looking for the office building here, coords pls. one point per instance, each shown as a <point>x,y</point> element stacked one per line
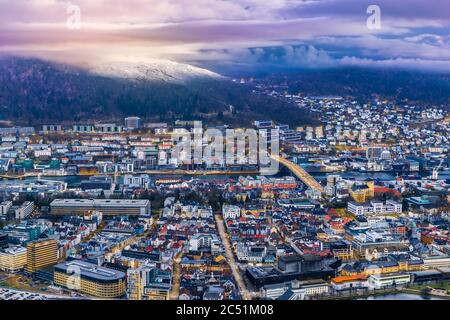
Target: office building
<point>374,207</point>
<point>148,283</point>
<point>108,128</point>
<point>132,123</point>
<point>13,259</point>
<point>52,129</point>
<point>374,153</point>
<point>381,281</point>
<point>80,128</point>
<point>96,183</point>
<point>293,267</point>
<point>134,284</point>
<point>106,206</point>
<point>90,279</point>
<point>22,232</point>
<point>41,254</point>
<point>24,210</point>
<point>231,212</point>
<point>141,181</point>
<point>3,240</point>
<point>4,207</point>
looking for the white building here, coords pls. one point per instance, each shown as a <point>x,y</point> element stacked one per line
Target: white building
<point>43,153</point>
<point>273,291</point>
<point>380,281</point>
<point>204,241</point>
<point>251,254</point>
<point>231,212</point>
<point>142,180</point>
<point>24,210</point>
<point>311,287</point>
<point>4,207</point>
<point>374,207</point>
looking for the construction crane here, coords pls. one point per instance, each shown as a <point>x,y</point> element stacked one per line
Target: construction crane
<point>435,173</point>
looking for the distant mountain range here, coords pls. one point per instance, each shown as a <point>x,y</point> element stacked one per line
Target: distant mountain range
<point>36,92</point>
<point>402,86</point>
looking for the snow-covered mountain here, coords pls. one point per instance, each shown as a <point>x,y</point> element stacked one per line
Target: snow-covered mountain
<point>38,92</point>
<point>153,70</point>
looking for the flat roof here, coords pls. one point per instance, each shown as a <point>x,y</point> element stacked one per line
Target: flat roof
<point>390,275</point>
<point>13,250</point>
<point>99,202</point>
<point>344,279</point>
<point>89,270</point>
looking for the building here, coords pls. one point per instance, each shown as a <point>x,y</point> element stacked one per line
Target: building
<point>13,259</point>
<point>24,210</point>
<point>374,207</point>
<point>204,242</point>
<point>80,128</point>
<point>348,283</point>
<point>134,284</point>
<point>251,254</point>
<point>380,281</point>
<point>97,183</point>
<point>141,181</point>
<point>374,153</point>
<point>362,192</point>
<point>231,212</point>
<point>4,207</point>
<point>369,241</point>
<point>108,128</point>
<point>293,267</point>
<point>312,287</point>
<point>3,240</point>
<point>90,279</point>
<point>52,129</point>
<point>106,206</point>
<point>263,124</point>
<point>342,249</point>
<point>157,284</point>
<point>41,254</point>
<point>299,204</point>
<point>273,291</point>
<point>148,283</point>
<point>22,232</point>
<point>132,123</point>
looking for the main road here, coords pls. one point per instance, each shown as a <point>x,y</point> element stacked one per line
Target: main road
<point>231,260</point>
<point>176,278</point>
<point>298,171</point>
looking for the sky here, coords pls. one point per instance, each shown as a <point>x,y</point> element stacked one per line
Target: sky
<point>233,34</point>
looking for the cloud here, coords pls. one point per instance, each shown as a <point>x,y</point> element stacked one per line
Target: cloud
<point>316,33</point>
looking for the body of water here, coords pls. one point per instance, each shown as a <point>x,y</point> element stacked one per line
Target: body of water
<point>401,296</point>
<point>74,181</point>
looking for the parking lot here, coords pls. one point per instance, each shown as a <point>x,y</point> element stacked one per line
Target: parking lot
<point>11,294</point>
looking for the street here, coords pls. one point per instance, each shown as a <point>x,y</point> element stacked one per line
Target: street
<point>231,260</point>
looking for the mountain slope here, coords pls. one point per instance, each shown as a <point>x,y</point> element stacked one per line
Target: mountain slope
<point>153,70</point>
<point>35,92</point>
<point>400,85</point>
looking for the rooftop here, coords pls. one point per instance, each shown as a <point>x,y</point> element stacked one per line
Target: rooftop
<point>90,270</point>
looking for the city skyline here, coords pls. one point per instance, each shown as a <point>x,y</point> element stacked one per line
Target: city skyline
<point>245,152</point>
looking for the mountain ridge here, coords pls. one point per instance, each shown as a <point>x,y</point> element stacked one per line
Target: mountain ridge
<point>153,70</point>
<point>34,91</point>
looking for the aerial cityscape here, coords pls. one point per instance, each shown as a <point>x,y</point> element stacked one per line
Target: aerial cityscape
<point>177,154</point>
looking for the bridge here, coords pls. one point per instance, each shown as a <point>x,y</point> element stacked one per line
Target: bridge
<point>300,173</point>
